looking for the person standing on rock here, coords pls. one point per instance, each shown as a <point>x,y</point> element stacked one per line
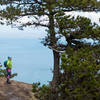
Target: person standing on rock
<point>8,69</point>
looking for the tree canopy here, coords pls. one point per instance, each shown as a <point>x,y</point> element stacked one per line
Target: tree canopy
<point>58,24</point>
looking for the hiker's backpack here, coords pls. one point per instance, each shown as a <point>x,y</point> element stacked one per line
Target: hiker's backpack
<point>5,63</point>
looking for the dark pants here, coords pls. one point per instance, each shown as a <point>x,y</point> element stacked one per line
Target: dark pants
<point>8,74</point>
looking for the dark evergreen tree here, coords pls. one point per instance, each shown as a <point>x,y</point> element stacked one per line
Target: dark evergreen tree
<point>80,76</point>
<point>58,24</point>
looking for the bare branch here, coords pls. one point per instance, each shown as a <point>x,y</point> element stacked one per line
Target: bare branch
<point>59,51</point>
<point>36,24</point>
<point>32,13</point>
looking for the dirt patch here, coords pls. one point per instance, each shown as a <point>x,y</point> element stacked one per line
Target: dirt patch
<point>15,90</point>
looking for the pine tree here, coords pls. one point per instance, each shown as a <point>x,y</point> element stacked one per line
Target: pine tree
<point>57,23</point>
<point>80,77</point>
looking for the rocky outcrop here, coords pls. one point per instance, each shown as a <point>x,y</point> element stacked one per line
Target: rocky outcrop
<point>15,90</point>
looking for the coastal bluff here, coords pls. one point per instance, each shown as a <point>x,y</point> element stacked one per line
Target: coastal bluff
<point>15,91</point>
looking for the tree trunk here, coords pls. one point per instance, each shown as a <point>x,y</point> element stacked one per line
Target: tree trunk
<point>53,42</point>
<point>55,80</point>
<point>56,57</point>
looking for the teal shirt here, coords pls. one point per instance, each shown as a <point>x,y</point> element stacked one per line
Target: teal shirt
<point>9,64</point>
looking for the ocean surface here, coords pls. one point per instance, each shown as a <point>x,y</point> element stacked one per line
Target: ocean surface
<point>31,60</point>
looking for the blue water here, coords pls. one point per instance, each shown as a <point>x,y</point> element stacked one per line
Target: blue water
<point>31,60</point>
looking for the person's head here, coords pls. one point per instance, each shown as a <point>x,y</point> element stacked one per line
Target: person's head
<point>9,58</point>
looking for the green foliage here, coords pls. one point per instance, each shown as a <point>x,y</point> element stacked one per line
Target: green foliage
<point>81,4</point>
<point>41,92</point>
<point>79,78</point>
<point>15,8</point>
<point>79,27</point>
<point>35,86</point>
<point>10,12</point>
<point>3,72</point>
<point>13,75</point>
